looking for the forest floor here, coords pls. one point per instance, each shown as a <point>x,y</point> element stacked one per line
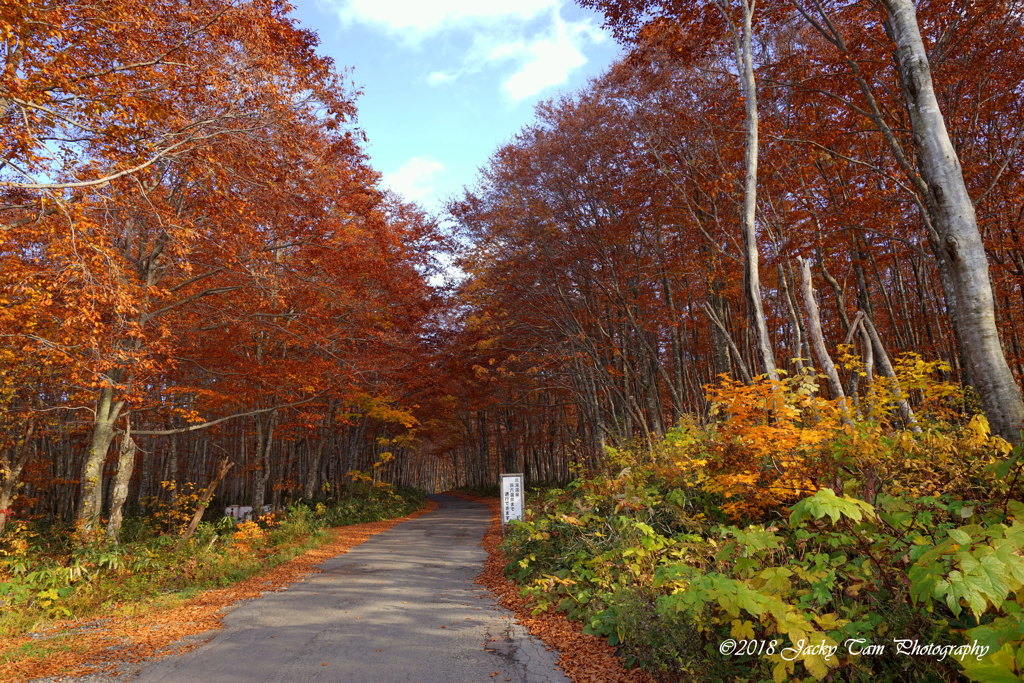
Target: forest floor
<point>401,606</point>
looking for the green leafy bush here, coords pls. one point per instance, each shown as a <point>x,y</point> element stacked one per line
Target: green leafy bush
<point>835,586</point>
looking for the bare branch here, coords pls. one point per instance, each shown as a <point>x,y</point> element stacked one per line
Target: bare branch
<point>211,423</point>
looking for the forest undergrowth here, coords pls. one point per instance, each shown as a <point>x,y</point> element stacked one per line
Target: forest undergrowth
<point>51,586</point>
<point>794,537</point>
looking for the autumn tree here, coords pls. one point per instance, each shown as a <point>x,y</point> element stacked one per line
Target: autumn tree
<point>936,178</point>
<point>196,238</point>
<point>605,265</point>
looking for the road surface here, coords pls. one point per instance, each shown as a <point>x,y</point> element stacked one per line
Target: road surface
<point>401,607</point>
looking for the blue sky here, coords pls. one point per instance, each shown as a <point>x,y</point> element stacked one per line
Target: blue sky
<point>445,82</point>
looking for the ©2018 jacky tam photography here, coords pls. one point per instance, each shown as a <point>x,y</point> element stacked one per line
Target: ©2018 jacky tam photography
<point>453,341</point>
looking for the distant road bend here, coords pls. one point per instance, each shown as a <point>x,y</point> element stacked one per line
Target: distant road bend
<point>401,607</point>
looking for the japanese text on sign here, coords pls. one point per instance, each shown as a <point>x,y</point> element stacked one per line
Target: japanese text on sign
<point>511,497</point>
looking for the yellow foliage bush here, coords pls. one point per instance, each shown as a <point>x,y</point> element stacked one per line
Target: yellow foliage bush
<point>174,514</point>
<point>942,459</point>
<point>17,539</point>
<point>765,451</point>
<point>775,442</point>
<point>248,535</point>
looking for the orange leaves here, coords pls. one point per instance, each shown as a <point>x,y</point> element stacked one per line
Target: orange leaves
<point>765,449</point>
<point>247,535</point>
<point>208,238</point>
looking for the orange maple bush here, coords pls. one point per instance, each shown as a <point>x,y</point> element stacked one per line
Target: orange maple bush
<point>766,450</point>
<point>772,443</point>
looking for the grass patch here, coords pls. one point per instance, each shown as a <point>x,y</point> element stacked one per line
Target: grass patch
<point>39,648</point>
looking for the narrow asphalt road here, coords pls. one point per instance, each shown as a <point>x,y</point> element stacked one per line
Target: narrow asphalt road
<point>401,607</point>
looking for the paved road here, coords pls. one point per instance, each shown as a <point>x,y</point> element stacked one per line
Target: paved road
<point>400,607</point>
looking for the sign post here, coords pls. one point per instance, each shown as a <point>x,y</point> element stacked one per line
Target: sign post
<point>511,498</point>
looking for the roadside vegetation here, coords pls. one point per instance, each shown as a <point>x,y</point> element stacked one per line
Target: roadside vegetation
<point>46,577</point>
<point>747,547</point>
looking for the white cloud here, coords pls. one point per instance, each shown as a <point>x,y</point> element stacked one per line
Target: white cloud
<point>527,41</point>
<point>548,60</point>
<point>414,19</point>
<point>414,179</point>
<point>538,61</point>
<point>441,77</point>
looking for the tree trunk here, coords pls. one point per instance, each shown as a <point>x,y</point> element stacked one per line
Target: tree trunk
<point>720,340</point>
<point>204,501</point>
<point>263,444</point>
<point>794,320</point>
<point>956,223</point>
<point>886,368</point>
<point>91,506</point>
<point>751,256</point>
<point>316,454</point>
<point>6,499</point>
<point>817,337</point>
<point>12,462</point>
<point>125,467</point>
<point>740,364</point>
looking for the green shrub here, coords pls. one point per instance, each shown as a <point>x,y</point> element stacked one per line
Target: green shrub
<point>650,565</point>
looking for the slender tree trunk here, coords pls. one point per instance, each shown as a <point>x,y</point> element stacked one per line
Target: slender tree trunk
<point>264,441</point>
<point>740,364</point>
<point>742,39</point>
<point>720,340</point>
<point>956,223</point>
<point>313,474</point>
<point>817,337</point>
<point>6,499</point>
<point>836,290</point>
<point>125,467</point>
<point>886,368</point>
<point>12,462</point>
<point>316,454</point>
<point>869,366</point>
<point>794,320</point>
<point>204,501</point>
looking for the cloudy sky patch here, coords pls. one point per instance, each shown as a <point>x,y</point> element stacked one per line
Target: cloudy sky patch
<point>415,179</point>
<point>445,82</point>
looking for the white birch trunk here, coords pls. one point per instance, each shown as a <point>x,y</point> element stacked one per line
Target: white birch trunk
<point>815,333</point>
<point>956,223</point>
<point>742,40</point>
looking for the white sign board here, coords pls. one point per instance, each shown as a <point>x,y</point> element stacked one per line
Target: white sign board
<point>242,512</point>
<point>511,497</point>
